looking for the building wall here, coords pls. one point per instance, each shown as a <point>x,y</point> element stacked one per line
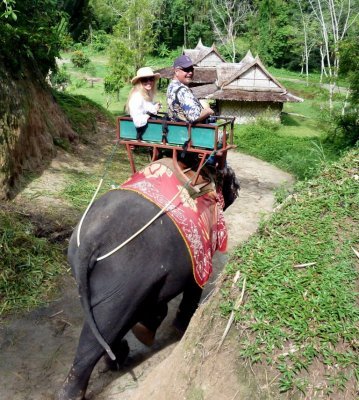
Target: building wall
<point>249,111</point>
<point>254,78</point>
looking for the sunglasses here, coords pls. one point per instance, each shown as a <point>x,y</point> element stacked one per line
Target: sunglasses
<point>148,79</point>
<point>188,69</point>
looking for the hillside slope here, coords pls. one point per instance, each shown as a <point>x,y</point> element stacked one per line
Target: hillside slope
<point>296,334</point>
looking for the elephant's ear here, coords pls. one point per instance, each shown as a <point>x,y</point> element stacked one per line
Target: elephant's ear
<point>230,186</point>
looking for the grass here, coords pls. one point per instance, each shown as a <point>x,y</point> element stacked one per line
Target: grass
<point>302,281</point>
<point>300,154</point>
<point>299,126</point>
<point>313,78</point>
<point>82,112</point>
<point>29,266</point>
<point>82,185</point>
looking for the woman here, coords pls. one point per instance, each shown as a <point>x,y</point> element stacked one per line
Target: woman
<point>140,100</point>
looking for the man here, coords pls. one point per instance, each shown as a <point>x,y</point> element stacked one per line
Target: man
<point>181,102</point>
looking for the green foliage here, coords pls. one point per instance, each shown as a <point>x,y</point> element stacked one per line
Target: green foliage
<point>100,41</point>
<point>274,30</point>
<point>271,32</point>
<point>7,8</point>
<point>301,280</point>
<point>120,65</point>
<point>79,59</point>
<point>135,31</point>
<point>29,266</point>
<point>349,66</point>
<point>33,39</point>
<point>345,130</point>
<point>182,23</point>
<point>162,50</point>
<point>105,15</point>
<point>80,17</point>
<point>60,79</point>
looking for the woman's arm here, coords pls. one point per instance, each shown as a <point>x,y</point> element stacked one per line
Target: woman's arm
<point>137,110</point>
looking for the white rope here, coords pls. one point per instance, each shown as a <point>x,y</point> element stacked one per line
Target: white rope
<point>139,231</point>
<point>84,215</point>
<point>145,226</point>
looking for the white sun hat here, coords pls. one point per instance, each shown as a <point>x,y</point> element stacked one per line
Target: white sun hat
<point>145,72</point>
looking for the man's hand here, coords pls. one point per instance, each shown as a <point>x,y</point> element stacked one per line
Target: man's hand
<point>206,112</point>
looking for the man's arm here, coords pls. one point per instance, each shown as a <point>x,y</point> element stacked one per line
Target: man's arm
<point>191,106</point>
<point>206,112</point>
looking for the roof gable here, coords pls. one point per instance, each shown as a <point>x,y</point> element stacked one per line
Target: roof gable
<point>249,74</point>
<point>204,56</point>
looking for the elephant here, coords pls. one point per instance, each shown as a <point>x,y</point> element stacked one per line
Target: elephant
<point>133,284</point>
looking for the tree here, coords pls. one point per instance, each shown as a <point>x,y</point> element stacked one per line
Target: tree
<point>335,18</point>
<point>135,29</point>
<point>349,51</point>
<point>227,17</point>
<point>106,13</point>
<point>271,32</point>
<point>81,18</point>
<point>180,23</point>
<point>33,37</point>
<point>121,58</point>
<point>310,31</point>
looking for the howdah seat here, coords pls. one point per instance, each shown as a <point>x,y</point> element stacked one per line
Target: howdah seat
<point>203,139</point>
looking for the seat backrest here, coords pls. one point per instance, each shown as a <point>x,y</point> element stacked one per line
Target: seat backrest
<point>178,134</point>
<point>204,137</point>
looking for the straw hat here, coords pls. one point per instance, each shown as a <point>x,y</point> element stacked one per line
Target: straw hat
<point>145,72</point>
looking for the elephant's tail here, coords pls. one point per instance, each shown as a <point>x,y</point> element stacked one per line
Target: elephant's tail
<point>82,277</point>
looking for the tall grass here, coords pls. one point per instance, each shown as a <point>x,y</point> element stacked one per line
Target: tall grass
<point>297,155</point>
<point>29,266</point>
<point>301,279</point>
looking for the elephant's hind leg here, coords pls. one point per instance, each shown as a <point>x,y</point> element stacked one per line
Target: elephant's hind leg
<point>89,351</point>
<point>121,350</point>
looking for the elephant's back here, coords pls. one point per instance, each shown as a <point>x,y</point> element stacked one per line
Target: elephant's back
<point>118,216</point>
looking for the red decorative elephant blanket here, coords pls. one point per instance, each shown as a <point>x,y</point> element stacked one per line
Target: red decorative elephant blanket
<point>200,221</point>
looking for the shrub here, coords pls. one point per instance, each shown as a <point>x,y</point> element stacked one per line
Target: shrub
<point>100,41</point>
<point>60,79</point>
<point>79,59</point>
<point>345,134</point>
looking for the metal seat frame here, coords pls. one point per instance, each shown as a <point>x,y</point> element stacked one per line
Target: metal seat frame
<point>219,148</point>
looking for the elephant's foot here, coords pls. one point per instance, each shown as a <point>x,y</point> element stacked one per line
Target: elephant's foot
<point>75,385</point>
<point>143,334</point>
<point>181,322</point>
<point>66,394</point>
<point>121,351</point>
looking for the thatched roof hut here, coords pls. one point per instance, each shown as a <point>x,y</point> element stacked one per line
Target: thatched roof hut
<point>246,89</point>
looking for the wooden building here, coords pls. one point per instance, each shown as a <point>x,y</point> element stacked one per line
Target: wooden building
<point>246,90</point>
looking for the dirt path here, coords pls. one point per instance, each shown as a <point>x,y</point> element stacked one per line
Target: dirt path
<point>37,349</point>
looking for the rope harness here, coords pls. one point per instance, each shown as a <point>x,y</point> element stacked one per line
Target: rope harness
<point>185,186</point>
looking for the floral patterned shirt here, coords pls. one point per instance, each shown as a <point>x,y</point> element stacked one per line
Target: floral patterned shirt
<point>181,102</point>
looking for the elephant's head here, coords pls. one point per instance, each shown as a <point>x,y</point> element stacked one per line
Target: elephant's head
<point>229,184</point>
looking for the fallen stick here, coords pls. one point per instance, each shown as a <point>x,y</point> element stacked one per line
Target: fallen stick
<point>304,265</point>
<point>54,315</point>
<point>355,252</point>
<point>231,318</point>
